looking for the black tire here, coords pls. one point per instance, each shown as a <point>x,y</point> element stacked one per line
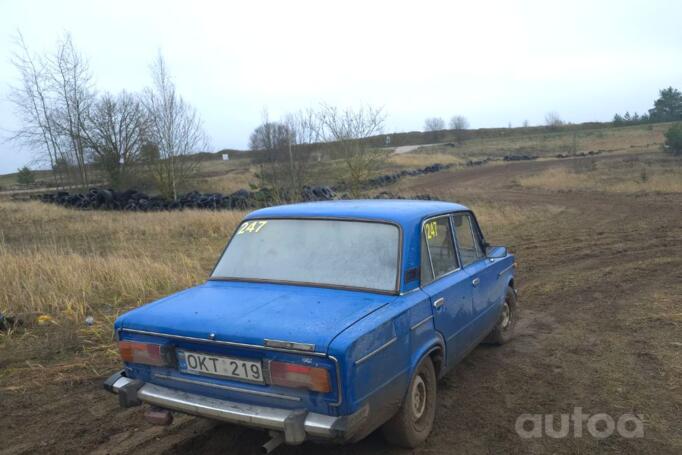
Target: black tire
<point>504,330</point>
<point>414,420</point>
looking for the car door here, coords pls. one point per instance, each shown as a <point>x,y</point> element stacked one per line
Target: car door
<point>447,284</point>
<point>483,279</point>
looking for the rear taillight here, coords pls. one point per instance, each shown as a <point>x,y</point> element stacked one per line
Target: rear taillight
<point>145,353</point>
<point>299,376</point>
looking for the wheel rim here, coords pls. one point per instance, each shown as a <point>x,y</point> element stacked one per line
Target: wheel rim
<point>506,316</point>
<point>418,397</point>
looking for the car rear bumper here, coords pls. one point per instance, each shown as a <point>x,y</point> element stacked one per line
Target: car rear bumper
<point>297,425</point>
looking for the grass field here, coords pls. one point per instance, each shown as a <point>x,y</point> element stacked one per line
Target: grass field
<point>69,265</point>
<point>598,242</point>
<point>627,175</point>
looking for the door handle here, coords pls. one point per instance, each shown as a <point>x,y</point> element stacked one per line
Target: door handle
<point>439,303</point>
<point>476,281</point>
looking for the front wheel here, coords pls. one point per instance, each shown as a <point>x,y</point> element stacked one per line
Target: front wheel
<point>504,330</point>
<point>413,422</point>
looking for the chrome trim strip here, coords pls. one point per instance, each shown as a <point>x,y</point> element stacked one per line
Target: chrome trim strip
<point>223,343</point>
<point>293,345</point>
<point>506,270</point>
<point>422,322</point>
<point>377,350</point>
<point>339,389</point>
<point>227,387</point>
<point>410,291</point>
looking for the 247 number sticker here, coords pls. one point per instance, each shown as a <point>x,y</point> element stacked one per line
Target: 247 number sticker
<point>251,226</point>
<point>431,230</point>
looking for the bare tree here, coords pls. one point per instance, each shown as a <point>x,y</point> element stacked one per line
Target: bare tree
<point>307,125</point>
<point>348,129</point>
<point>53,101</point>
<point>459,122</point>
<point>553,120</point>
<point>175,128</point>
<point>74,94</point>
<point>33,106</point>
<point>304,129</point>
<point>115,133</point>
<point>434,124</point>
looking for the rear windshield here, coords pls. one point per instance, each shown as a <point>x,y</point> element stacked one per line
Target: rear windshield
<point>356,254</point>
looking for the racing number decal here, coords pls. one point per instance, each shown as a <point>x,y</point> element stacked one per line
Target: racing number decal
<point>431,230</point>
<point>253,226</point>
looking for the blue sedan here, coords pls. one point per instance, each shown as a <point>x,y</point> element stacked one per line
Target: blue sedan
<point>323,321</point>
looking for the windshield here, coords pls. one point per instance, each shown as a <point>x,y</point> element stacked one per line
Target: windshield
<point>356,254</point>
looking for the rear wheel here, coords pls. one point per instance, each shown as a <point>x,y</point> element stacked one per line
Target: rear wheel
<point>413,422</point>
<point>504,330</point>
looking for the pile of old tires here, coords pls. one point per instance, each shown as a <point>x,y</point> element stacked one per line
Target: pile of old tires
<point>137,201</point>
<point>387,179</point>
<point>471,163</point>
<point>519,158</point>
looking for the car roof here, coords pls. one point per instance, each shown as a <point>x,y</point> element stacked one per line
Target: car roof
<point>405,212</point>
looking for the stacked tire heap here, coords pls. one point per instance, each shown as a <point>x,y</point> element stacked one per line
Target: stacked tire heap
<point>136,201</point>
<point>471,163</point>
<point>387,179</point>
<point>519,157</point>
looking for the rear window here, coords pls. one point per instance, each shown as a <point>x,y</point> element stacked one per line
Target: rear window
<point>355,254</point>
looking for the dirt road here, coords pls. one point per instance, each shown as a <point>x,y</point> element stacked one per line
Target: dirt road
<point>411,148</point>
<point>600,283</point>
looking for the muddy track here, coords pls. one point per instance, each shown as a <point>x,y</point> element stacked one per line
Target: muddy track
<point>600,283</point>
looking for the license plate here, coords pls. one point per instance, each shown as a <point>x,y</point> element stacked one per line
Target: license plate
<point>226,367</point>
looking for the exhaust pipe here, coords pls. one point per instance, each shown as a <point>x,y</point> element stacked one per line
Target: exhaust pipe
<point>275,440</point>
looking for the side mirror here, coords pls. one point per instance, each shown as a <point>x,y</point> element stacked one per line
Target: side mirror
<point>496,252</point>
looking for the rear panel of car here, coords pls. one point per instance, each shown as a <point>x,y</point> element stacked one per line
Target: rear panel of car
<point>231,389</point>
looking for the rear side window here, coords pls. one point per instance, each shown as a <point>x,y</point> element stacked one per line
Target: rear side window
<point>467,240</point>
<point>438,258</point>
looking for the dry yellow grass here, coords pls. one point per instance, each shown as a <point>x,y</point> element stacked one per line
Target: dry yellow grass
<point>225,176</point>
<point>69,264</point>
<point>501,223</point>
<point>629,139</point>
<point>617,177</point>
<point>421,159</point>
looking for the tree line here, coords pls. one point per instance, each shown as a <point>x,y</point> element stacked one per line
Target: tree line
<point>667,108</point>
<point>155,135</point>
<point>150,135</point>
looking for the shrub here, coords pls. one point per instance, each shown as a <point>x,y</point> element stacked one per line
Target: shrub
<point>25,176</point>
<point>673,139</point>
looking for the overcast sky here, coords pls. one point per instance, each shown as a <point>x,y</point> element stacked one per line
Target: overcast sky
<point>493,62</point>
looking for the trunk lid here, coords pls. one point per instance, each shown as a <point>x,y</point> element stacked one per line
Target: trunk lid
<point>249,313</point>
